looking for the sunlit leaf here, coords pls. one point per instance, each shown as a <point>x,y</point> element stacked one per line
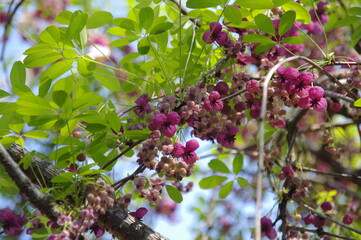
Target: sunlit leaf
<point>212,181</point>
<point>174,193</point>
<point>226,189</point>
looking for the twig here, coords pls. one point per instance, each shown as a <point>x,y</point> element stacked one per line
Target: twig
<point>234,94</point>
<point>338,96</point>
<point>122,153</point>
<point>330,219</point>
<point>301,229</point>
<point>7,24</point>
<point>339,175</point>
<point>123,181</point>
<point>185,13</point>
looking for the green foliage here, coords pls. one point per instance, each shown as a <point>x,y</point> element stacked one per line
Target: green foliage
<point>237,163</point>
<point>174,193</point>
<point>218,166</point>
<point>286,22</point>
<point>212,181</point>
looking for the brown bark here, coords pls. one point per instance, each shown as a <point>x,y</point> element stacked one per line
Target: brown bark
<point>116,221</point>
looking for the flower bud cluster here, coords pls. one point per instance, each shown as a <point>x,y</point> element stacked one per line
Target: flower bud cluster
<point>151,192</point>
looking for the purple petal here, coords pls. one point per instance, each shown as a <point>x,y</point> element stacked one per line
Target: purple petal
<point>158,119</point>
<point>304,103</point>
<point>207,37</point>
<point>192,145</point>
<point>215,27</point>
<point>321,105</point>
<point>169,131</point>
<point>174,118</point>
<point>190,158</point>
<point>222,38</point>
<point>178,150</point>
<point>316,92</point>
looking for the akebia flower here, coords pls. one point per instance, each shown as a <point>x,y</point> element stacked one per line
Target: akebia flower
<point>348,219</point>
<point>215,34</point>
<point>142,105</point>
<point>139,213</point>
<point>187,153</point>
<point>12,224</point>
<point>314,99</point>
<point>98,231</point>
<point>165,123</point>
<point>267,228</point>
<point>227,137</point>
<point>214,103</point>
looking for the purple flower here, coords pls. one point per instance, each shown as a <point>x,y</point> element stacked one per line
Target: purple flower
<point>287,171</point>
<point>286,74</point>
<point>254,104</point>
<point>309,219</point>
<point>214,103</point>
<point>267,228</point>
<point>142,105</point>
<point>215,34</point>
<point>326,206</point>
<point>186,153</point>
<point>319,222</point>
<point>348,219</point>
<point>227,137</point>
<point>139,213</point>
<point>165,123</point>
<point>11,223</point>
<point>222,88</point>
<point>98,231</point>
<point>315,100</point>
<point>301,84</point>
<point>252,86</point>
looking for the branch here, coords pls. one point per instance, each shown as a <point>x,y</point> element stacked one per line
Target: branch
<point>301,229</point>
<point>185,13</point>
<point>330,219</point>
<point>116,221</point>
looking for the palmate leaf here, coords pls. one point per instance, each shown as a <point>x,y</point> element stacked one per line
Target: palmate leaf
<point>226,189</point>
<point>212,181</point>
<point>218,166</point>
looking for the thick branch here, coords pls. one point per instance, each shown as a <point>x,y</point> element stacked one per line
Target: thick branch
<point>37,198</point>
<point>116,221</point>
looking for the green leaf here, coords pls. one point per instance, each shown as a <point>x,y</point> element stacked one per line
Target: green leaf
<point>242,182</point>
<point>60,97</point>
<point>95,127</point>
<point>17,78</point>
<point>302,14</point>
<point>355,11</point>
<point>137,134</point>
<point>257,38</point>
<point>98,19</point>
<point>278,3</point>
<point>146,17</point>
<point>212,181</point>
<point>264,47</point>
<point>26,159</point>
<point>86,100</point>
<point>50,35</point>
<point>237,163</point>
<point>355,37</point>
<point>53,72</point>
<point>233,14</point>
<point>226,189</point>
<point>126,23</point>
<point>218,166</point>
<point>255,4</point>
<point>76,26</point>
<point>202,3</point>
<point>63,177</point>
<point>265,24</point>
<point>86,67</point>
<point>33,106</point>
<point>286,22</point>
<point>107,78</point>
<point>357,103</point>
<point>292,40</point>
<point>123,41</point>
<point>174,193</point>
<point>346,21</point>
<point>143,46</point>
<point>41,59</point>
<point>64,17</point>
<point>4,94</point>
<point>36,134</point>
<point>161,27</point>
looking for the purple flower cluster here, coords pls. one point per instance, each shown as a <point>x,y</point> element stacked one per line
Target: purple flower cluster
<point>215,34</point>
<point>12,224</point>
